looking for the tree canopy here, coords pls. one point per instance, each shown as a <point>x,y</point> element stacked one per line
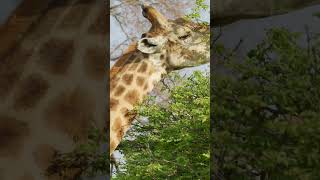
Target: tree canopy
<point>266,110</point>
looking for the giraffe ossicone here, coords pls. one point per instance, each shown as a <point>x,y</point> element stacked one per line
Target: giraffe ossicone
<point>168,45</point>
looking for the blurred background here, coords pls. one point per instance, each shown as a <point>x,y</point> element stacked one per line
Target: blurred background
<point>6,8</point>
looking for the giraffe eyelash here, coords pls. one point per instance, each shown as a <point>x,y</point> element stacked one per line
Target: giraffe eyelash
<point>184,36</point>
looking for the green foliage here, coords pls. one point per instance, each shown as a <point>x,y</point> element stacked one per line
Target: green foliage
<point>195,14</point>
<point>89,159</point>
<point>174,143</point>
<point>266,114</point>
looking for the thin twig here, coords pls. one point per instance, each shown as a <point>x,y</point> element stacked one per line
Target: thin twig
<point>218,36</point>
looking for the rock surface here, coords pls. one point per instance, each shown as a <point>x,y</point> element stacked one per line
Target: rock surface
<point>228,11</point>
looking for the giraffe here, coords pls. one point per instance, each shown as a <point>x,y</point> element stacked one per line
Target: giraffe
<point>52,82</point>
<point>168,45</point>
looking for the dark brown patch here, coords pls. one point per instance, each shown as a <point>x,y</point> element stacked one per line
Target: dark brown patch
<point>124,111</point>
<point>132,58</point>
<point>120,132</point>
<point>129,115</point>
<point>30,92</point>
<point>13,133</point>
<point>162,56</point>
<point>113,104</point>
<point>120,89</point>
<point>145,55</point>
<point>127,78</point>
<point>113,83</point>
<point>71,113</point>
<point>95,63</point>
<point>56,55</point>
<point>43,154</point>
<point>117,124</point>
<point>143,67</point>
<point>146,86</point>
<point>132,97</point>
<point>11,69</point>
<point>133,66</point>
<point>140,81</point>
<point>100,25</point>
<point>112,86</point>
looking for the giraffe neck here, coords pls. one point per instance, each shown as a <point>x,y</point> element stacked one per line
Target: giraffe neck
<point>136,74</point>
<point>45,107</point>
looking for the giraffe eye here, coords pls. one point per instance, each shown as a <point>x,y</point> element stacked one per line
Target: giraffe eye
<point>144,35</point>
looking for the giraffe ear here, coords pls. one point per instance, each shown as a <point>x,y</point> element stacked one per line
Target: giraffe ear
<point>151,45</point>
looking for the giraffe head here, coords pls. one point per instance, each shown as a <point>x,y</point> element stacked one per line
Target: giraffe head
<point>178,43</point>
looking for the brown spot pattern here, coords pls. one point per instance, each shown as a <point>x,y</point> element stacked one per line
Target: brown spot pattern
<point>95,63</point>
<point>56,55</point>
<point>11,69</point>
<point>100,25</point>
<point>140,81</point>
<point>145,55</point>
<point>30,92</point>
<point>143,67</point>
<point>71,113</point>
<point>120,133</point>
<point>146,86</point>
<point>13,133</point>
<point>117,124</point>
<point>132,97</point>
<point>119,91</point>
<point>127,78</point>
<point>129,115</point>
<point>113,84</point>
<point>133,66</point>
<point>113,104</point>
<point>124,111</point>
<point>123,60</point>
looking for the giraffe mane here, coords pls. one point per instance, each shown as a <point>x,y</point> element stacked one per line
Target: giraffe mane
<point>122,60</point>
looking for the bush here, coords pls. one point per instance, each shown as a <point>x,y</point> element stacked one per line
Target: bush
<point>174,143</point>
<point>266,114</point>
